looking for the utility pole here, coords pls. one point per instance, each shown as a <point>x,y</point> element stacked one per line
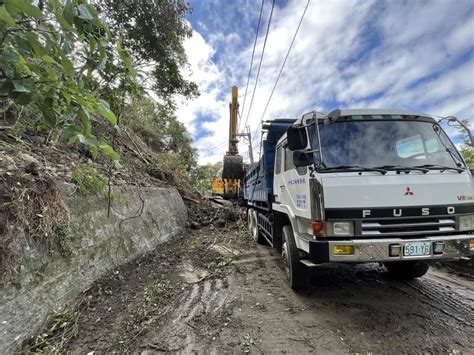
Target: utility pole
<point>248,139</point>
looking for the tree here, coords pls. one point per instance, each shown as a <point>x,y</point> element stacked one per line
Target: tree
<point>203,176</point>
<point>159,128</point>
<point>52,60</point>
<point>468,154</point>
<point>467,149</point>
<point>153,31</point>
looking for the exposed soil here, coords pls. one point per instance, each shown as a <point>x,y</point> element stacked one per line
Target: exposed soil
<point>213,290</point>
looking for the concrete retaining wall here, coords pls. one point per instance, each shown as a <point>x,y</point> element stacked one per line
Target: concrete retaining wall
<point>140,219</point>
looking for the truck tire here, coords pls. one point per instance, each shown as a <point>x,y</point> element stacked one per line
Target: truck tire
<point>256,235</point>
<point>250,220</point>
<point>295,272</point>
<point>407,270</point>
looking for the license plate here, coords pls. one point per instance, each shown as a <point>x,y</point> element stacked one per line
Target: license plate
<point>417,249</point>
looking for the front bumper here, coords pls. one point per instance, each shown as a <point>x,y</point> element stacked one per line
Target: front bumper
<point>377,250</point>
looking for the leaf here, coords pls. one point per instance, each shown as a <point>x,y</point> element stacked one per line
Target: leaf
<point>104,110</point>
<point>90,141</point>
<point>32,39</point>
<point>63,22</point>
<point>126,59</point>
<point>87,139</point>
<point>25,7</point>
<point>69,12</point>
<point>85,118</point>
<point>50,117</point>
<point>6,18</point>
<point>84,13</point>
<point>108,150</point>
<point>67,65</point>
<point>24,86</point>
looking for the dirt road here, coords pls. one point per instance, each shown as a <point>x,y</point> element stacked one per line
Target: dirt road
<point>214,291</point>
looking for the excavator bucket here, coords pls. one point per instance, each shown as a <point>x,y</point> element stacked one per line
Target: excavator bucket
<point>233,167</point>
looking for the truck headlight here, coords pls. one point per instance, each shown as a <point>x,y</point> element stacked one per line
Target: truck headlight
<point>342,229</point>
<point>466,223</point>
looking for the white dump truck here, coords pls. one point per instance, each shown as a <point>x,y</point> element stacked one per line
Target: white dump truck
<point>359,186</point>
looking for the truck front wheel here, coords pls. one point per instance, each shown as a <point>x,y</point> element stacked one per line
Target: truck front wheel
<point>295,272</point>
<point>407,270</point>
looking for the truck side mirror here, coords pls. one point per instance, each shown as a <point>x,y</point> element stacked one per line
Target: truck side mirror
<point>301,158</point>
<point>297,138</point>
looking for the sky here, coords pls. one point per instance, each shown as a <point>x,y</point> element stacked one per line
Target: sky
<point>405,54</point>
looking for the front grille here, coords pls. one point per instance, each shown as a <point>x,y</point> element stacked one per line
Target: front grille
<point>408,227</point>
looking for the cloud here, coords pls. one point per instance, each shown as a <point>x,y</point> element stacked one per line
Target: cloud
<point>349,54</point>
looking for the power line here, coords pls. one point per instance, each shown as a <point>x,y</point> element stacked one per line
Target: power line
<point>260,64</point>
<point>282,67</point>
<point>284,62</point>
<point>251,60</point>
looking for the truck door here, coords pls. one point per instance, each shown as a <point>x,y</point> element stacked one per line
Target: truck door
<point>278,178</point>
<point>295,185</point>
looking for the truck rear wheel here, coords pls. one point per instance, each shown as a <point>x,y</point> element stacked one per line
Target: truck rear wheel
<point>295,272</point>
<point>407,270</point>
<point>249,220</point>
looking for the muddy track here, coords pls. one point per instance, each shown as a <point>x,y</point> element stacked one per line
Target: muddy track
<point>214,291</point>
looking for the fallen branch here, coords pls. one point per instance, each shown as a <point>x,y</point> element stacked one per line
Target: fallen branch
<point>191,199</point>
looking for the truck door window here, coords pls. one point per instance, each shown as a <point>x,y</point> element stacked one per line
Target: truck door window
<point>278,161</point>
<point>288,159</point>
<point>289,163</point>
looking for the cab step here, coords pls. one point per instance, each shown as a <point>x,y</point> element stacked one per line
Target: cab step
<point>308,263</point>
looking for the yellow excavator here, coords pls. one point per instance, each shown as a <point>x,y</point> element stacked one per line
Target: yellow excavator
<point>228,185</point>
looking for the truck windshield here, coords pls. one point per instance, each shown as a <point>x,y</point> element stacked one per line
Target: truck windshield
<point>390,143</point>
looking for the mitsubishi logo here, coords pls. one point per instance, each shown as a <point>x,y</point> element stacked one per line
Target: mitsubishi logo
<point>408,192</point>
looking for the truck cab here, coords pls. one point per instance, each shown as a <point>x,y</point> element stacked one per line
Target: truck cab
<point>357,186</point>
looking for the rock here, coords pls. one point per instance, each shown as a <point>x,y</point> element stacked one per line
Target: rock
<point>220,223</point>
<point>32,168</point>
<point>28,158</point>
<point>194,225</point>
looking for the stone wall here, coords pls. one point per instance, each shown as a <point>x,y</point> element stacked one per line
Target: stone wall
<point>140,219</point>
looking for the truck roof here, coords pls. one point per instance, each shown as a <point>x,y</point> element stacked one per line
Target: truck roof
<point>362,112</point>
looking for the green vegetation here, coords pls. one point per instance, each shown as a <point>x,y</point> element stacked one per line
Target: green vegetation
<point>89,180</point>
<point>467,150</point>
<point>153,33</point>
<point>66,67</point>
<point>52,60</point>
<point>61,328</point>
<point>203,175</point>
<point>468,154</point>
<point>229,214</point>
<point>159,129</point>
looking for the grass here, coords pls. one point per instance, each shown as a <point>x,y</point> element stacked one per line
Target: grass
<point>89,180</point>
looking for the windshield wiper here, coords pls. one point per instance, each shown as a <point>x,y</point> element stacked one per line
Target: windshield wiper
<point>354,168</point>
<point>439,167</point>
<point>406,169</point>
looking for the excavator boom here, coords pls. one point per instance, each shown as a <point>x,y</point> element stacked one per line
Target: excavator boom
<point>233,162</point>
